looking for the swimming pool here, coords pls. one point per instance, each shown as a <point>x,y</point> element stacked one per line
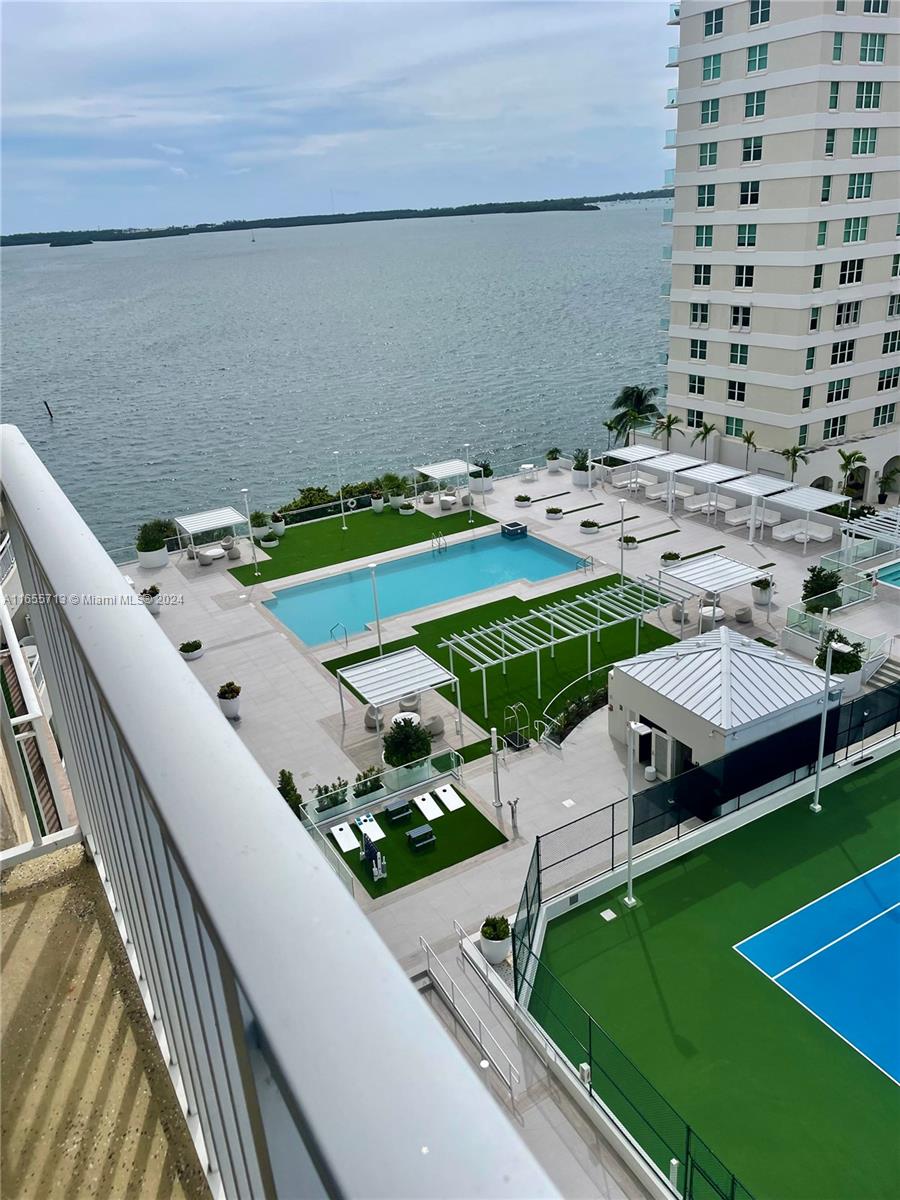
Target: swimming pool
<point>312,610</point>
<point>890,574</point>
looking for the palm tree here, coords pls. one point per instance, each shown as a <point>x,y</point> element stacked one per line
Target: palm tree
<point>666,425</point>
<point>612,430</point>
<point>634,407</point>
<point>850,460</point>
<point>794,456</point>
<point>748,437</point>
<point>703,434</point>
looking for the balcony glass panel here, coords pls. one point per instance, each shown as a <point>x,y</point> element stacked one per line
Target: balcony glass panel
<point>671,97</point>
<point>669,176</point>
<point>672,59</point>
<point>667,253</point>
<point>670,137</point>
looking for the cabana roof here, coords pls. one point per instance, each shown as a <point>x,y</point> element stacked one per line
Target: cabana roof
<point>757,485</point>
<point>883,525</point>
<point>711,473</point>
<point>811,499</point>
<point>632,454</point>
<point>713,573</point>
<point>444,470</point>
<point>213,518</point>
<point>675,462</point>
<point>393,676</point>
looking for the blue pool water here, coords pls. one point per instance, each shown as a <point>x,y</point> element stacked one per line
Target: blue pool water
<point>891,574</point>
<point>840,958</point>
<point>312,610</point>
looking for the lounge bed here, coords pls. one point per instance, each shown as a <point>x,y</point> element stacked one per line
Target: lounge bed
<point>787,531</point>
<point>815,533</point>
<point>698,502</point>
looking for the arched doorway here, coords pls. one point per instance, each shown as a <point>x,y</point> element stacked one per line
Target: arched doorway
<point>890,474</point>
<point>825,482</point>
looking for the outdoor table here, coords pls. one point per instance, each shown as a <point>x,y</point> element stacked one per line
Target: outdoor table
<point>527,473</point>
<point>211,551</point>
<point>406,716</point>
<point>345,837</point>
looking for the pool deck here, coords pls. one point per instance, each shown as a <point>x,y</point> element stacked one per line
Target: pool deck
<point>290,717</point>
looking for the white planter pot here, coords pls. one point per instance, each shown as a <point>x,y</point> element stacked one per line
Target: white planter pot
<point>590,530</point>
<point>523,504</point>
<point>268,543</point>
<point>259,531</point>
<point>479,485</point>
<point>852,683</point>
<point>554,466</point>
<point>152,560</point>
<point>191,655</point>
<point>760,596</point>
<point>278,528</point>
<point>153,605</point>
<point>554,516</point>
<point>495,952</point>
<point>629,545</point>
<point>231,708</point>
<point>579,478</point>
<point>396,501</point>
<point>378,505</point>
<point>406,512</point>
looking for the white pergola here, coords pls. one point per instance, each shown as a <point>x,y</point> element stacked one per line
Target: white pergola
<point>713,574</point>
<point>671,465</point>
<point>883,525</point>
<point>755,488</point>
<point>545,628</point>
<point>391,677</point>
<point>710,475</point>
<point>204,522</point>
<point>809,500</point>
<point>629,454</point>
<point>451,469</point>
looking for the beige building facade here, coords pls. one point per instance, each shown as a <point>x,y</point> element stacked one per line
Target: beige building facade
<point>785,294</point>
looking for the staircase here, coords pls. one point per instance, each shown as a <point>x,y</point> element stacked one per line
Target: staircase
<point>47,813</point>
<point>887,673</point>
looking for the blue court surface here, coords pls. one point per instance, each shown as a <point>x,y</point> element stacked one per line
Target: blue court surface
<point>840,958</point>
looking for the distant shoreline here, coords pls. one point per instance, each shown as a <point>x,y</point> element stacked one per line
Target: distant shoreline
<point>86,237</point>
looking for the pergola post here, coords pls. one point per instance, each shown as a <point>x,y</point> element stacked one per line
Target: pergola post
<point>538,657</point>
<point>341,696</point>
<point>637,635</point>
<point>459,724</point>
<point>589,653</point>
<point>484,689</point>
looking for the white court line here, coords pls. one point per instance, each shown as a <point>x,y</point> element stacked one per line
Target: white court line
<point>812,1012</point>
<point>834,941</point>
<point>809,904</point>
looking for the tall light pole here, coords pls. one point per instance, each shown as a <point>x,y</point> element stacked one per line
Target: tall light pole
<point>841,648</point>
<point>634,727</point>
<point>337,459</point>
<point>469,484</point>
<point>245,492</point>
<point>375,602</point>
<point>622,541</point>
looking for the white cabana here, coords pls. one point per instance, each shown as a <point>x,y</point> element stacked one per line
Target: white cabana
<point>394,676</point>
<point>451,469</point>
<point>713,574</point>
<point>882,525</point>
<point>710,475</point>
<point>205,522</point>
<point>670,465</point>
<point>809,500</point>
<point>756,488</point>
<point>630,454</point>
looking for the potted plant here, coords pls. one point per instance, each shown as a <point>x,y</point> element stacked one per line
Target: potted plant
<point>589,526</point>
<point>553,457</point>
<point>669,556</point>
<point>151,598</point>
<point>268,540</point>
<point>259,523</point>
<point>886,481</point>
<point>523,501</point>
<point>406,742</point>
<point>760,589</point>
<point>848,662</point>
<point>554,514</point>
<point>289,791</point>
<point>406,509</point>
<point>278,523</point>
<point>330,795</point>
<point>191,650</point>
<point>152,552</point>
<point>229,699</point>
<point>367,782</point>
<point>377,502</point>
<point>629,541</point>
<point>580,469</point>
<point>495,941</point>
<point>481,477</point>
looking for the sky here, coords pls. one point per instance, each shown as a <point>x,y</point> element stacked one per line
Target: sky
<point>136,114</point>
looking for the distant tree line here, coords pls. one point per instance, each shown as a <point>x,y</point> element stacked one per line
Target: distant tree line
<point>83,237</point>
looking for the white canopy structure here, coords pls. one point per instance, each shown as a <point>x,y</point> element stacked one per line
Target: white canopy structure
<point>630,454</point>
<point>755,488</point>
<point>393,676</point>
<point>712,574</point>
<point>883,525</point>
<point>450,469</point>
<point>670,465</point>
<point>205,522</point>
<point>809,500</point>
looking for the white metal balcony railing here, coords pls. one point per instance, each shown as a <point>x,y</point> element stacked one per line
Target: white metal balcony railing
<point>304,1060</point>
<point>671,135</point>
<point>671,97</point>
<point>7,558</point>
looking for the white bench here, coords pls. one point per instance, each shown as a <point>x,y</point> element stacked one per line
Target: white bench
<point>815,533</point>
<point>697,503</point>
<point>788,531</point>
<point>740,516</point>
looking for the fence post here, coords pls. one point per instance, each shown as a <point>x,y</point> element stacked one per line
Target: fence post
<point>537,851</point>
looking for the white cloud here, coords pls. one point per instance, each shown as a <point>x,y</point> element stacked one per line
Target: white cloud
<point>179,171</point>
<point>163,149</point>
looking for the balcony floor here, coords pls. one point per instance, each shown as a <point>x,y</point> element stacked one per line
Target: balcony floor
<point>87,1108</point>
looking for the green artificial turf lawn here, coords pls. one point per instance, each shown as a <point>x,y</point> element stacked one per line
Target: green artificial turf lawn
<point>789,1107</point>
<point>322,543</point>
<point>520,681</point>
<point>460,835</point>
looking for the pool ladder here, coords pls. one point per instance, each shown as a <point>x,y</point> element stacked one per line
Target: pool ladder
<point>345,639</point>
<point>586,564</point>
<point>438,542</point>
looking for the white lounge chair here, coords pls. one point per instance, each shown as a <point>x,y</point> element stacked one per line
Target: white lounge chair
<point>725,504</point>
<point>787,531</point>
<point>696,503</point>
<point>740,516</point>
<point>657,491</point>
<point>814,533</point>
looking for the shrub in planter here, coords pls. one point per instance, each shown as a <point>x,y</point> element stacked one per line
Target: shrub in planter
<point>268,540</point>
<point>843,662</point>
<point>553,456</point>
<point>367,781</point>
<point>150,597</point>
<point>259,523</point>
<point>589,527</point>
<point>406,742</point>
<point>330,795</point>
<point>229,695</point>
<point>523,501</point>
<point>481,477</point>
<point>278,524</point>
<point>629,541</point>
<point>289,791</point>
<point>495,940</point>
<point>150,543</point>
<point>554,514</point>
<point>821,589</point>
<point>406,509</point>
<point>377,502</point>
<point>580,468</point>
<point>670,556</point>
<point>191,650</point>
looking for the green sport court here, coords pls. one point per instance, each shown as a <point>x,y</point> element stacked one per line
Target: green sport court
<point>784,1102</point>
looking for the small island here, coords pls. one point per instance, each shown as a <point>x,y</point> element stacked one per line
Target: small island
<point>85,237</point>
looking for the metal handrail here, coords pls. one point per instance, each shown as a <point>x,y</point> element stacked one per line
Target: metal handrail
<point>464,1009</point>
<point>339,625</point>
<point>7,558</point>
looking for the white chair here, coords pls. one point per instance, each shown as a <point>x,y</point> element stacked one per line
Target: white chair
<point>788,531</point>
<point>696,503</point>
<point>448,499</point>
<point>657,491</point>
<point>725,504</point>
<point>815,533</point>
<point>374,718</point>
<point>740,516</point>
